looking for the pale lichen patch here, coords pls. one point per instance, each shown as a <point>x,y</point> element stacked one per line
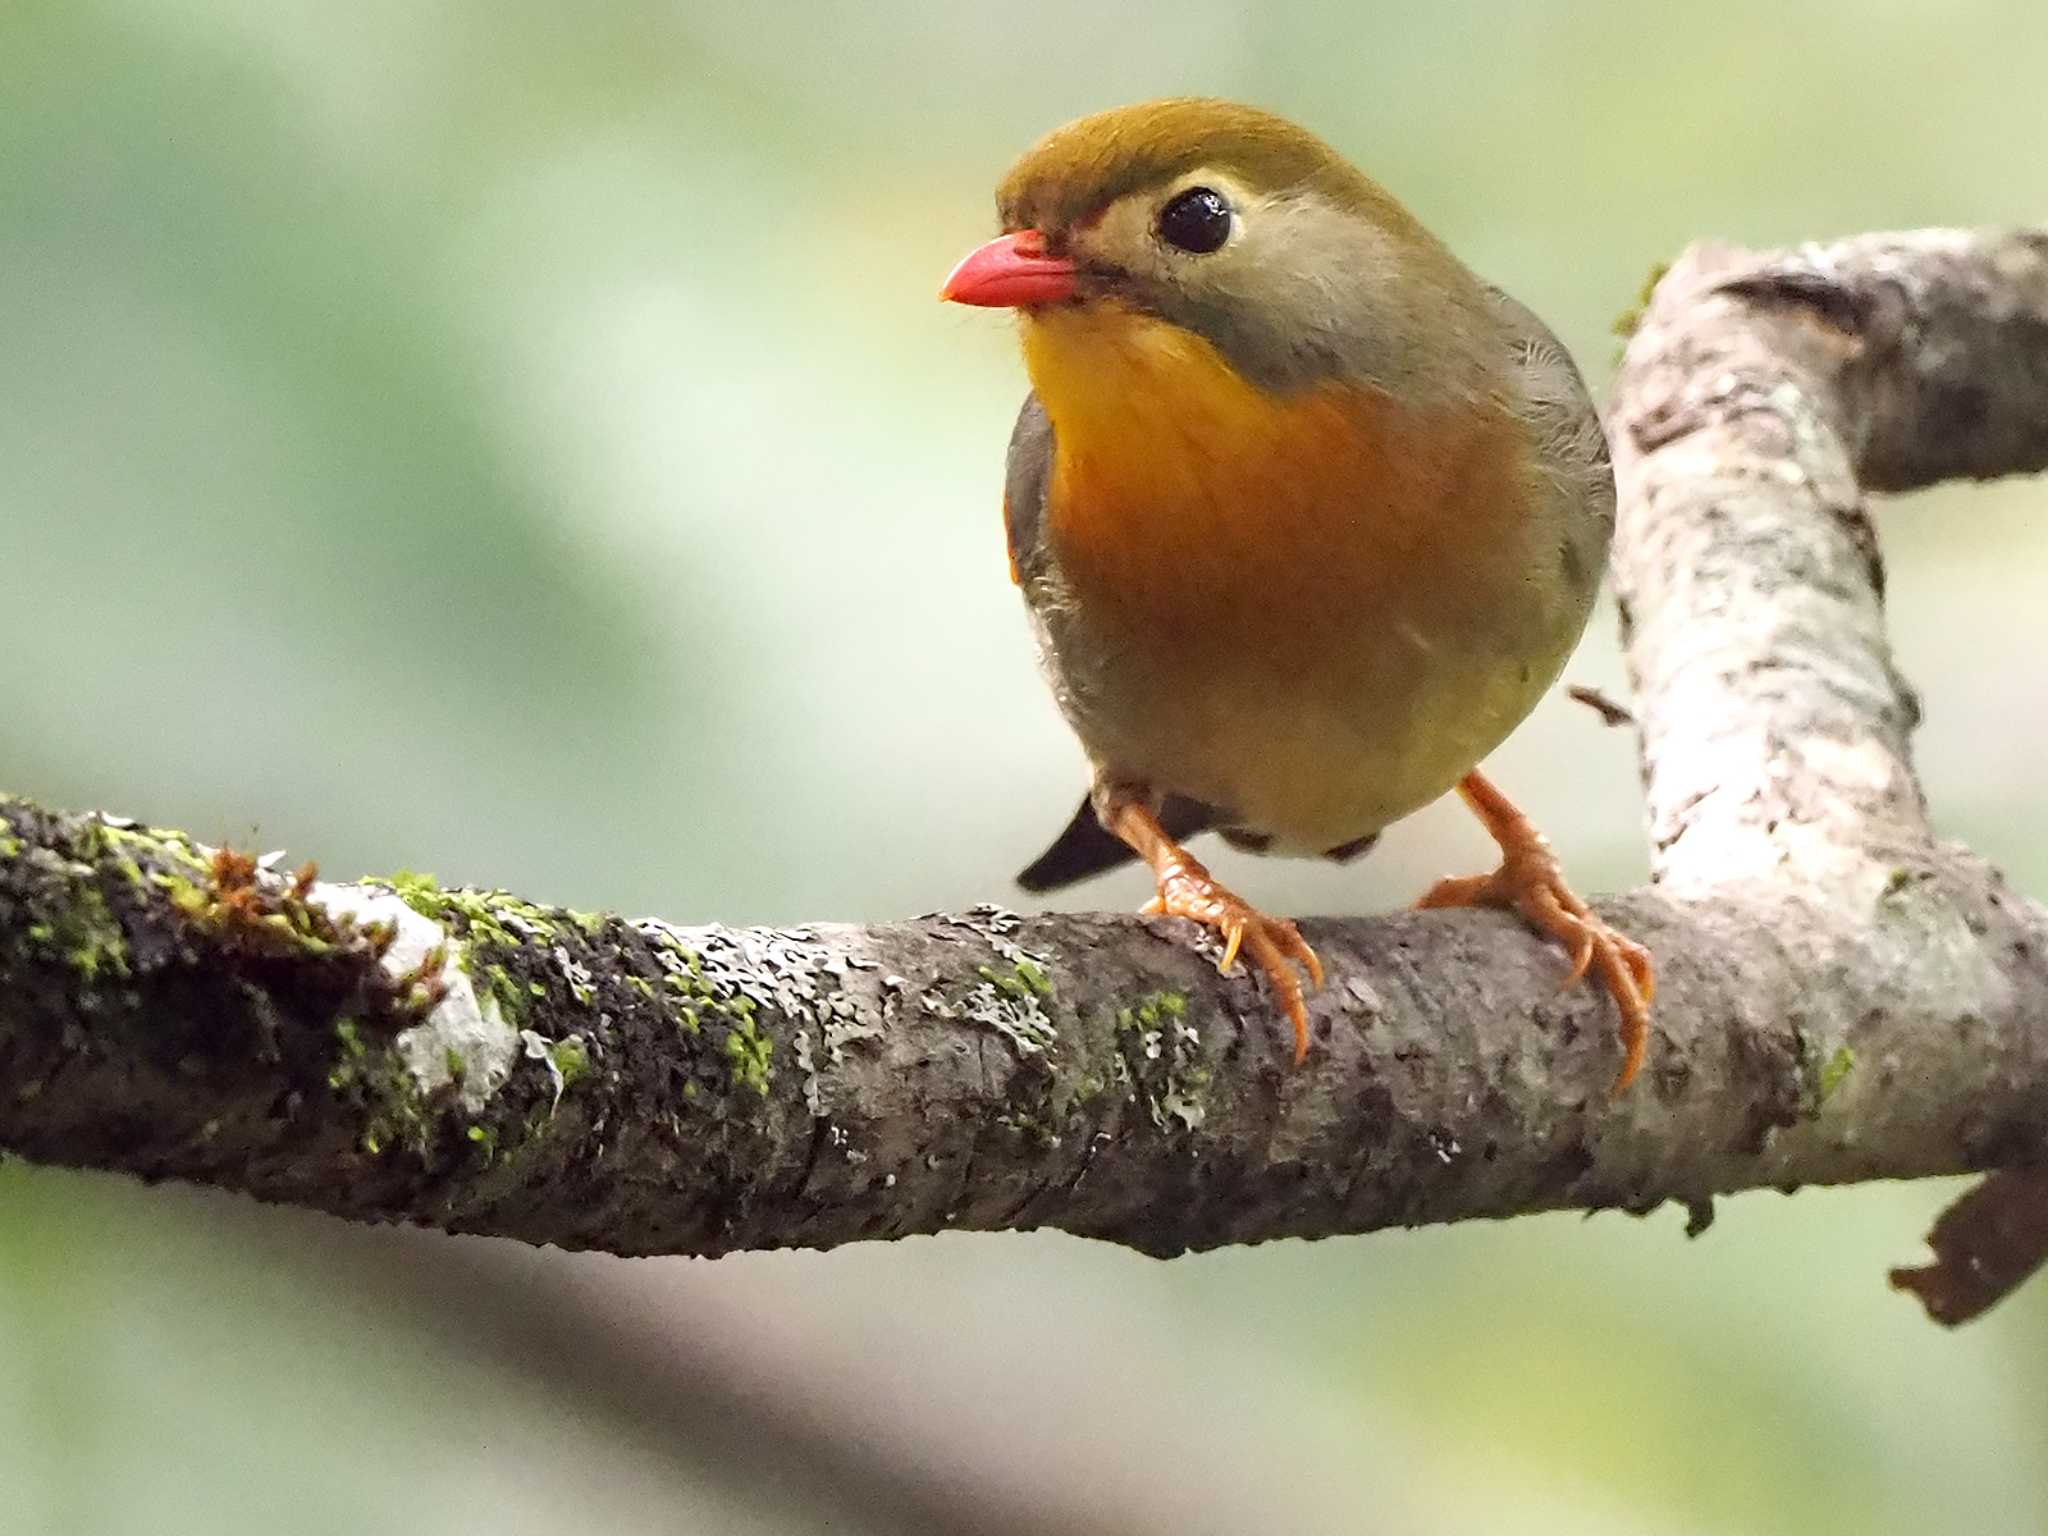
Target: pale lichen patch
<point>1163,1058</point>
<point>464,1026</point>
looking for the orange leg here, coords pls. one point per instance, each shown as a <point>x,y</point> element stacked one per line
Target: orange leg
<point>1531,881</point>
<point>1186,889</point>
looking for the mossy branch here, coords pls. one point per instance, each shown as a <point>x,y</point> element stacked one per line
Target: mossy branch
<point>1842,998</point>
<point>478,1062</point>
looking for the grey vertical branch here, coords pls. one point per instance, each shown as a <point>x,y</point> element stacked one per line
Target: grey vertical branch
<point>1842,996</point>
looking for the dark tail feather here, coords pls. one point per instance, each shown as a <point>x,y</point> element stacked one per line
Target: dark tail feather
<point>1344,853</point>
<point>1086,849</point>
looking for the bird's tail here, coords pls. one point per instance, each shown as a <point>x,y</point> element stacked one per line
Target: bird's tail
<point>1087,848</point>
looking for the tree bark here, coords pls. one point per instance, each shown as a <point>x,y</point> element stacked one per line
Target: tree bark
<point>1841,997</point>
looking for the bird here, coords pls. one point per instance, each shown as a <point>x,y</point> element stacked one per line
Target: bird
<point>1306,516</point>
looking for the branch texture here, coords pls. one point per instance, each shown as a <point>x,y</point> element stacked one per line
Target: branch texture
<point>1841,997</point>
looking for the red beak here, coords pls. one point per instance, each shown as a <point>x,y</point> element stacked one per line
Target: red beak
<point>1010,270</point>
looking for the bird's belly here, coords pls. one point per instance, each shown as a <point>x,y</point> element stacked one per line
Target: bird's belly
<point>1316,747</point>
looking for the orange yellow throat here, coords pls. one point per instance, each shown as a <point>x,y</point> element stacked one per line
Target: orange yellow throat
<point>1183,494</point>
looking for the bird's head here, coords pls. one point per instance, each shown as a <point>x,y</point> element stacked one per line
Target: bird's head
<point>1227,224</point>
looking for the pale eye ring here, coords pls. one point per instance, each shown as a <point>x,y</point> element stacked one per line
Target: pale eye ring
<point>1196,221</point>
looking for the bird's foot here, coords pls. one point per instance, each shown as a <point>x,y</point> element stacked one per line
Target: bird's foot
<point>1531,881</point>
<point>1273,944</point>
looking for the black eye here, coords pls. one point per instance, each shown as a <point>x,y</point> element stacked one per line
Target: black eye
<point>1197,221</point>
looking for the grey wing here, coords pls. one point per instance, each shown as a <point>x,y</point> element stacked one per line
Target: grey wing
<point>1571,445</point>
<point>1026,479</point>
<point>1085,848</point>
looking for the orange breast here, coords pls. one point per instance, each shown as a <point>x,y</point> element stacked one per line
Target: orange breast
<point>1194,512</point>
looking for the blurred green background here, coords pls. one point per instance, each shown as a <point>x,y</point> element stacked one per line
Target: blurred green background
<point>519,441</point>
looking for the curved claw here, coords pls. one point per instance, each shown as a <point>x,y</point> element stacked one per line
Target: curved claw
<point>1582,961</point>
<point>1530,881</point>
<point>1273,945</point>
<point>1233,937</point>
<point>1186,889</point>
<point>1621,964</point>
<point>1273,963</point>
<point>1306,956</point>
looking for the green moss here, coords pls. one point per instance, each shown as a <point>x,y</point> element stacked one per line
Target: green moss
<point>748,1052</point>
<point>571,1060</point>
<point>504,987</point>
<point>682,967</point>
<point>487,917</point>
<point>154,843</point>
<point>496,929</point>
<point>418,890</point>
<point>376,1082</point>
<point>186,895</point>
<point>350,1053</point>
<point>1836,1072</point>
<point>732,1056</point>
<point>566,1060</point>
<point>1821,1077</point>
<point>1629,320</point>
<point>397,1115</point>
<point>84,934</point>
<point>294,929</point>
<point>96,945</point>
<point>683,975</point>
<point>1154,1011</point>
<point>1024,980</point>
<point>10,845</point>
